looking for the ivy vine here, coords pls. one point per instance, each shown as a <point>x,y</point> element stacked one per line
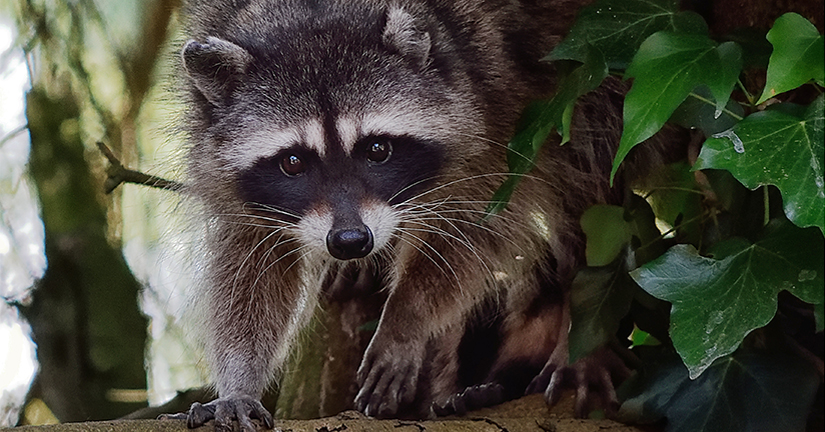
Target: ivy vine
<point>743,223</point>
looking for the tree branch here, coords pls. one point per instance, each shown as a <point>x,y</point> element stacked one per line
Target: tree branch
<point>118,174</point>
<point>11,135</point>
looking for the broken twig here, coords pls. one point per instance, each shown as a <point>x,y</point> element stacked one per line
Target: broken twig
<point>118,174</point>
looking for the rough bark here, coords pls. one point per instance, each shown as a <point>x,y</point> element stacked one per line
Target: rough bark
<point>528,414</point>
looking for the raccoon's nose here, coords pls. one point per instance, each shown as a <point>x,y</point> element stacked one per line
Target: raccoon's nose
<point>350,243</point>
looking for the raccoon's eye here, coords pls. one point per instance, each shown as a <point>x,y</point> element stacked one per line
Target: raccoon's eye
<point>379,151</point>
<point>292,165</point>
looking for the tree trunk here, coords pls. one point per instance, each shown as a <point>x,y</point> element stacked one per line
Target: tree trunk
<point>84,314</point>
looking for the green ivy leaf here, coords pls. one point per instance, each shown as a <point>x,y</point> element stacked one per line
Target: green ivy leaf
<point>599,298</point>
<point>798,55</point>
<point>667,67</point>
<point>639,337</point>
<point>607,234</point>
<point>609,230</point>
<point>541,118</point>
<point>580,81</point>
<point>748,391</point>
<point>616,28</point>
<point>677,201</point>
<point>717,301</point>
<point>602,293</point>
<point>677,195</point>
<point>777,148</point>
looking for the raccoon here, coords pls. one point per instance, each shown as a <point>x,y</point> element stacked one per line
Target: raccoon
<point>329,135</point>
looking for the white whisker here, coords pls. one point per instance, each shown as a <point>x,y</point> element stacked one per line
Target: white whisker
<point>465,242</point>
<point>264,270</point>
<point>449,266</point>
<point>494,142</point>
<point>502,175</point>
<point>243,264</point>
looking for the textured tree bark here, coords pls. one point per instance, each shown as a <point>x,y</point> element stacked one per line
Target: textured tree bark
<point>528,414</point>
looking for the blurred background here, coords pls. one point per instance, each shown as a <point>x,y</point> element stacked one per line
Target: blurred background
<point>110,270</point>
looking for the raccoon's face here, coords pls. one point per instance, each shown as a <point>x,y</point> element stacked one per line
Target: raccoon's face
<point>342,200</point>
<point>330,128</point>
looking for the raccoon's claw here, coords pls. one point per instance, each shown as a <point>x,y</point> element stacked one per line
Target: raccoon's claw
<point>389,378</point>
<point>200,414</point>
<point>592,378</point>
<point>472,398</point>
<point>175,416</point>
<point>225,411</point>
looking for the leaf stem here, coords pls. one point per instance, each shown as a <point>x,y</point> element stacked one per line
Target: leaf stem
<point>724,110</point>
<point>748,95</point>
<point>671,188</point>
<point>672,230</point>
<point>766,218</point>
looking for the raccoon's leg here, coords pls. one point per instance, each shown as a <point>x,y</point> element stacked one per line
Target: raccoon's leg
<point>425,301</point>
<point>591,377</point>
<point>252,307</point>
<point>527,333</point>
<point>440,378</point>
<point>437,382</point>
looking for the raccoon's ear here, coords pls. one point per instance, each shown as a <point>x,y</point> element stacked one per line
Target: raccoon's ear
<point>214,67</point>
<point>402,34</point>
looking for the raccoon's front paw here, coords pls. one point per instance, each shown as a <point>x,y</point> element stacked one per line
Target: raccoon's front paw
<point>225,411</point>
<point>388,377</point>
<point>592,378</point>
